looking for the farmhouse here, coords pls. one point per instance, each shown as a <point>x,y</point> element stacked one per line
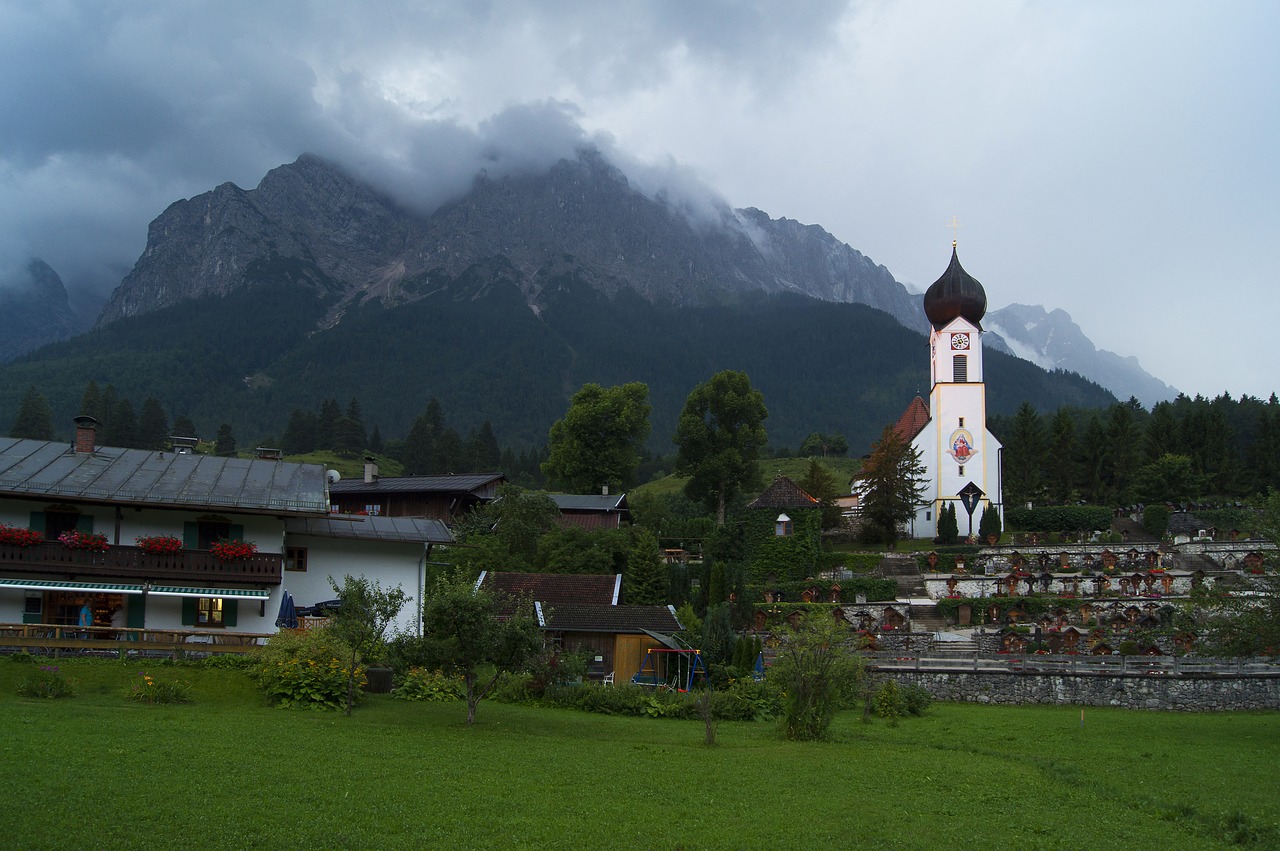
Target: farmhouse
<point>114,538</point>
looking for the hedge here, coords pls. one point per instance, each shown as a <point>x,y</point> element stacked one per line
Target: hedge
<point>1057,518</point>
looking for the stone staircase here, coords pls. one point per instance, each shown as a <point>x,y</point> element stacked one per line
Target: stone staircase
<point>904,571</point>
<point>927,619</point>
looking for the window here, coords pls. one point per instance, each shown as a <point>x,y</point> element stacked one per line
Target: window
<point>928,515</point>
<point>211,531</point>
<point>962,469</point>
<point>782,526</point>
<point>209,611</point>
<point>962,422</point>
<point>295,558</point>
<point>57,522</point>
<point>373,510</point>
<point>960,368</point>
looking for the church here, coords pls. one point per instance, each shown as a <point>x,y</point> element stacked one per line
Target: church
<point>960,457</point>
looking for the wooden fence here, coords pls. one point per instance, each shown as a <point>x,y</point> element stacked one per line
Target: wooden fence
<point>52,639</point>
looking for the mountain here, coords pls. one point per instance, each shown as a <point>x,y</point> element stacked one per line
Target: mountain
<point>1052,340</point>
<point>34,310</point>
<point>346,241</point>
<point>248,304</point>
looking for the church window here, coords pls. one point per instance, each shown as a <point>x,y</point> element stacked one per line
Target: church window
<point>960,368</point>
<point>962,469</point>
<point>962,422</point>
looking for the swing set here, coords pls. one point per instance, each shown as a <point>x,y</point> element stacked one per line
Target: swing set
<point>670,668</point>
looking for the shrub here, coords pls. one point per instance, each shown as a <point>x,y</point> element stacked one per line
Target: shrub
<point>422,684</point>
<point>916,699</point>
<point>889,702</point>
<point>153,690</point>
<point>303,669</point>
<point>1053,518</point>
<point>990,522</point>
<point>1155,519</point>
<point>48,682</point>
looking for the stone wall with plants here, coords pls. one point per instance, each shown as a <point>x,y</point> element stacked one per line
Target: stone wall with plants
<point>1188,692</point>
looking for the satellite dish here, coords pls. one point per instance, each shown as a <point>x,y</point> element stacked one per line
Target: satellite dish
<point>333,476</point>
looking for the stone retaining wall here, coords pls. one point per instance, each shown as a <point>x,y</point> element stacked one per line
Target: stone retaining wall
<point>1190,692</point>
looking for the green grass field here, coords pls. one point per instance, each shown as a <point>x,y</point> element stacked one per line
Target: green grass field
<point>95,771</point>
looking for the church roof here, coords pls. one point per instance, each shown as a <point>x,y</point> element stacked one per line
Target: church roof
<point>783,493</point>
<point>956,293</point>
<point>913,420</point>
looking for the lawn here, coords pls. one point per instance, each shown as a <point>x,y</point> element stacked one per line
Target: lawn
<point>224,771</point>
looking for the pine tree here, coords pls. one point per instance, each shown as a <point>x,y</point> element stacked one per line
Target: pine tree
<point>122,427</point>
<point>350,437</point>
<point>35,419</point>
<point>226,441</point>
<point>153,426</point>
<point>184,427</point>
<point>327,424</point>
<point>892,479</point>
<point>450,453</point>
<point>375,440</point>
<point>91,402</point>
<point>300,434</point>
<point>419,448</point>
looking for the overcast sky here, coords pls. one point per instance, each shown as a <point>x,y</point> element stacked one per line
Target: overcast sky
<point>1116,160</point>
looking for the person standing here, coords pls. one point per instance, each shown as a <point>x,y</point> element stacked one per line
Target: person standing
<point>86,617</point>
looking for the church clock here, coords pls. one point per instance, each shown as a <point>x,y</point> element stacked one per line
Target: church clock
<point>960,342</point>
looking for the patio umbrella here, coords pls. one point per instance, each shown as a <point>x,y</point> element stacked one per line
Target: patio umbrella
<point>288,617</point>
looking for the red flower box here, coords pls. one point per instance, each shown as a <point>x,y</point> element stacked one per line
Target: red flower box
<point>76,540</point>
<point>161,545</point>
<point>232,550</point>
<point>16,536</point>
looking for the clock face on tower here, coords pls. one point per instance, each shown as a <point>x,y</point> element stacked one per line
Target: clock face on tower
<point>959,342</point>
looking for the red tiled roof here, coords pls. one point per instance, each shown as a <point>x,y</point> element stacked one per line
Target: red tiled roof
<point>783,493</point>
<point>913,419</point>
<point>555,589</point>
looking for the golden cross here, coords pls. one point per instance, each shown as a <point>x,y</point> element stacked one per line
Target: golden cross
<point>955,230</point>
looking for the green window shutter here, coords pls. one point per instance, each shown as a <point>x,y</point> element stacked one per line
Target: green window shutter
<point>229,612</point>
<point>36,524</point>
<point>237,532</point>
<point>189,610</point>
<point>191,536</point>
<point>136,616</point>
<point>84,523</point>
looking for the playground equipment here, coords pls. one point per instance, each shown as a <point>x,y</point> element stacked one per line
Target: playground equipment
<point>672,668</point>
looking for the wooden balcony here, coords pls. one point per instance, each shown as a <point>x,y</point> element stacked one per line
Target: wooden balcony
<point>136,564</point>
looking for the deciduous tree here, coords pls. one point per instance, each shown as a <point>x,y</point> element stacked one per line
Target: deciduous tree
<point>598,442</point>
<point>463,634</point>
<point>361,621</point>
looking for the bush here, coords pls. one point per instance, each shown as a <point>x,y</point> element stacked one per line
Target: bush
<point>49,683</point>
<point>916,699</point>
<point>153,690</point>
<point>1155,519</point>
<point>744,700</point>
<point>303,669</point>
<point>422,684</point>
<point>990,523</point>
<point>1055,518</point>
<point>888,702</point>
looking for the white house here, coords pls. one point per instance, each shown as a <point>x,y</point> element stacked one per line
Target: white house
<point>282,508</point>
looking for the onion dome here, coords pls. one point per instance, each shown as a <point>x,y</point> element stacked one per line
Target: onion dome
<point>956,293</point>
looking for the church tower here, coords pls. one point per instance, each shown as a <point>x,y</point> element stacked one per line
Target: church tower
<point>961,458</point>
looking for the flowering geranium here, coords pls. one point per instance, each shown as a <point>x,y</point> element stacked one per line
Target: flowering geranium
<point>159,544</point>
<point>229,549</point>
<point>16,536</point>
<point>77,540</point>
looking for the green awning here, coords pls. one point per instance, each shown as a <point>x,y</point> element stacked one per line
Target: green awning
<point>59,585</point>
<point>232,593</point>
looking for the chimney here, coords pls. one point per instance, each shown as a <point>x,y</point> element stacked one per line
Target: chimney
<point>604,491</point>
<point>370,470</point>
<point>86,433</point>
<point>266,453</point>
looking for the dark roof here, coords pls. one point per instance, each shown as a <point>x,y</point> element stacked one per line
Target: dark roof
<point>955,294</point>
<point>420,484</point>
<point>589,502</point>
<point>783,493</point>
<point>913,420</point>
<point>51,469</point>
<point>556,589</point>
<point>414,530</point>
<point>633,619</point>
